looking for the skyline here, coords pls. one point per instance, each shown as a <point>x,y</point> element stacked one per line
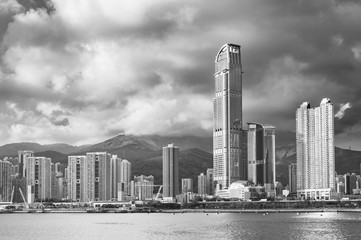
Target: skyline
<point>63,70</point>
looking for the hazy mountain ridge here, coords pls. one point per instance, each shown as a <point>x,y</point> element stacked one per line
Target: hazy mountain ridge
<point>11,150</point>
<point>144,152</point>
<point>149,143</point>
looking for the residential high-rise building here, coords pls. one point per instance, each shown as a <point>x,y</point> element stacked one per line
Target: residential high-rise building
<point>340,184</point>
<point>38,178</point>
<point>210,187</point>
<point>187,185</point>
<point>261,155</point>
<point>56,181</point>
<point>315,150</point>
<point>89,177</point>
<point>170,171</point>
<point>120,177</point>
<point>15,170</point>
<point>22,161</point>
<point>202,184</point>
<point>350,183</point>
<point>144,187</point>
<point>99,176</point>
<point>292,177</point>
<point>229,154</point>
<point>77,172</point>
<point>5,181</point>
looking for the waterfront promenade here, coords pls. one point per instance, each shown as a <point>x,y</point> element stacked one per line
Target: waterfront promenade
<point>292,210</point>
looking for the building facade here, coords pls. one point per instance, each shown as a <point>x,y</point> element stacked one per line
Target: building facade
<point>187,185</point>
<point>5,181</point>
<point>99,176</point>
<point>350,183</point>
<point>210,187</point>
<point>292,177</point>
<point>202,184</point>
<point>229,162</point>
<point>144,187</point>
<point>120,177</point>
<point>77,180</point>
<point>170,171</point>
<point>38,178</point>
<point>23,155</point>
<point>261,155</point>
<point>89,177</point>
<point>315,150</point>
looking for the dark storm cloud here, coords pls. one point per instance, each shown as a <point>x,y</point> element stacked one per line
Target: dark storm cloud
<point>63,122</point>
<point>92,65</point>
<point>320,34</point>
<point>36,4</point>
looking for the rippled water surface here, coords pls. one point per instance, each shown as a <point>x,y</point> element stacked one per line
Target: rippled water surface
<point>57,226</point>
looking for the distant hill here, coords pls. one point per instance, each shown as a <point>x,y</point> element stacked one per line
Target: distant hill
<point>153,143</point>
<point>145,153</point>
<point>11,150</point>
<point>347,161</point>
<point>55,156</point>
<point>192,162</point>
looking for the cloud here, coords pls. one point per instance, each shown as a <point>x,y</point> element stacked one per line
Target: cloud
<point>343,108</point>
<point>146,67</point>
<point>9,7</point>
<point>63,122</point>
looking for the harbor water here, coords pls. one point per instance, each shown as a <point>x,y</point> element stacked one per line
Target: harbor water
<point>56,226</point>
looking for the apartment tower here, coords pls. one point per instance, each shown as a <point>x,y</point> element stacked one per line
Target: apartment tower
<point>120,177</point>
<point>38,178</point>
<point>170,171</point>
<point>315,150</point>
<point>187,185</point>
<point>5,181</point>
<point>23,155</point>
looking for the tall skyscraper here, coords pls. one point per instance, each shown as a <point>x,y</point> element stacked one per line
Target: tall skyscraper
<point>38,178</point>
<point>187,185</point>
<point>315,150</point>
<point>170,171</point>
<point>292,177</point>
<point>261,154</point>
<point>5,181</point>
<point>22,161</point>
<point>229,162</point>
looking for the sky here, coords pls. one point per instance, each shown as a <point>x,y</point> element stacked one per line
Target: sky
<point>79,72</point>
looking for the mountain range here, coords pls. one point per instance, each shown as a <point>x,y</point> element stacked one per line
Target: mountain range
<point>145,154</point>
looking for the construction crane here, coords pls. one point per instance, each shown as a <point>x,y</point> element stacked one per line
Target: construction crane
<point>140,191</point>
<point>22,195</point>
<point>12,195</point>
<point>158,193</point>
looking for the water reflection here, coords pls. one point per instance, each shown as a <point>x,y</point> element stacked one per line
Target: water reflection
<point>181,226</point>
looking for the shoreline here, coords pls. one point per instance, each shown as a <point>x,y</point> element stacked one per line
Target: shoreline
<point>293,210</point>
